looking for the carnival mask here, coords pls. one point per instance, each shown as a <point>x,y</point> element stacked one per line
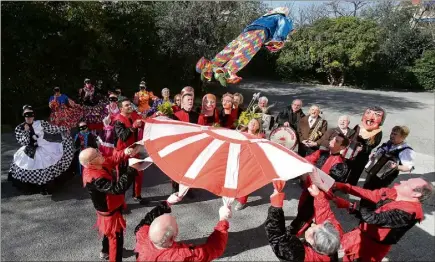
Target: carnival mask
<point>253,125</point>
<point>113,99</point>
<point>208,104</point>
<point>187,102</point>
<point>227,102</point>
<point>373,118</point>
<point>83,128</point>
<point>29,114</point>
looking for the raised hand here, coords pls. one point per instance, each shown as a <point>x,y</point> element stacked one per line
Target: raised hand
<point>314,190</point>
<point>225,213</point>
<point>174,198</point>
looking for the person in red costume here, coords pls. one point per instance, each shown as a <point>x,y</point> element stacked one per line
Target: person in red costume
<point>127,124</point>
<point>332,163</point>
<point>227,119</point>
<point>209,115</point>
<point>107,194</point>
<point>156,233</point>
<point>254,128</point>
<point>397,210</point>
<point>186,114</point>
<point>177,103</point>
<point>322,240</point>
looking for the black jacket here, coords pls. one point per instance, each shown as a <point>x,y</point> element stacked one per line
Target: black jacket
<point>287,115</point>
<point>103,190</point>
<point>162,208</point>
<point>286,246</point>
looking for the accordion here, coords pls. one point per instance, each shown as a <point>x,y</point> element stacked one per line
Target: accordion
<point>380,165</point>
<point>351,151</point>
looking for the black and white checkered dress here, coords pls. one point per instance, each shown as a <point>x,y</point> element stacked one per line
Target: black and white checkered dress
<point>39,162</point>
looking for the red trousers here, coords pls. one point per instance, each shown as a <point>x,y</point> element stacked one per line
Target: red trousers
<point>242,200</point>
<point>137,190</point>
<point>112,228</point>
<point>113,245</point>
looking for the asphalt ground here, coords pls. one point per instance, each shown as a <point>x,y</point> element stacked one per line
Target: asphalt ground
<point>60,227</point>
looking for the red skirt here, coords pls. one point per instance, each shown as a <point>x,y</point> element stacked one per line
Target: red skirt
<point>110,225</point>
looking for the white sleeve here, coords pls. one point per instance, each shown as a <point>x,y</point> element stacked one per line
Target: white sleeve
<point>407,157</point>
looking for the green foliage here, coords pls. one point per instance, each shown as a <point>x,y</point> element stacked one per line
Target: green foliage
<point>246,116</point>
<point>47,44</point>
<point>166,108</point>
<point>334,47</point>
<point>424,70</point>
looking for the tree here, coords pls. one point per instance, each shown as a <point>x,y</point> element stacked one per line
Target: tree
<point>424,70</point>
<point>400,44</point>
<point>332,47</point>
<point>190,30</point>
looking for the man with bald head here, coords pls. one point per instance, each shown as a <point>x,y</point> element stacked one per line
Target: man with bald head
<point>342,128</point>
<point>107,194</point>
<point>156,233</point>
<point>291,115</point>
<point>394,212</point>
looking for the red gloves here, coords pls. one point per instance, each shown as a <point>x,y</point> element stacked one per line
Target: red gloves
<point>137,124</point>
<point>341,203</point>
<point>277,198</point>
<point>343,187</point>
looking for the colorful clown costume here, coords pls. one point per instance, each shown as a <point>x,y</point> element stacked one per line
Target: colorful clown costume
<point>270,30</point>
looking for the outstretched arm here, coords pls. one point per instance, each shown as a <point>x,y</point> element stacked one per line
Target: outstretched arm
<point>322,212</point>
<point>371,195</point>
<point>215,245</point>
<point>116,187</point>
<point>162,208</point>
<point>52,129</point>
<point>22,135</point>
<point>285,246</point>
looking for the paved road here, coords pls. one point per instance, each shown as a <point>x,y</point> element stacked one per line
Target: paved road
<point>59,227</point>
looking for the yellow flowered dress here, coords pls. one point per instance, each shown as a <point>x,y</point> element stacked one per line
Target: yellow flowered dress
<point>143,100</point>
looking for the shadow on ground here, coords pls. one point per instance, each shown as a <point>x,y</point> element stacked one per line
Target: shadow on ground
<point>345,100</point>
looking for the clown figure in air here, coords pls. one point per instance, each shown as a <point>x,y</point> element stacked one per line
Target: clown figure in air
<point>270,30</point>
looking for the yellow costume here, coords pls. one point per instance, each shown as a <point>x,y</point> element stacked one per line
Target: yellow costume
<point>142,99</point>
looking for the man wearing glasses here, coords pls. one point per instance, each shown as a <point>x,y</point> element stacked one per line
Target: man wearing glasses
<point>107,194</point>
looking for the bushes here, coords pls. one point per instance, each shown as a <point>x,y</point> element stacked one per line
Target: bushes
<point>332,48</point>
<point>424,70</point>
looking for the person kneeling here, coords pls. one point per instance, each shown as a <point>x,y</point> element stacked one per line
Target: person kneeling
<point>156,233</point>
<point>322,240</point>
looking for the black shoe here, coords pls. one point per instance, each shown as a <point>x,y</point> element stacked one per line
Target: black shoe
<point>141,200</point>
